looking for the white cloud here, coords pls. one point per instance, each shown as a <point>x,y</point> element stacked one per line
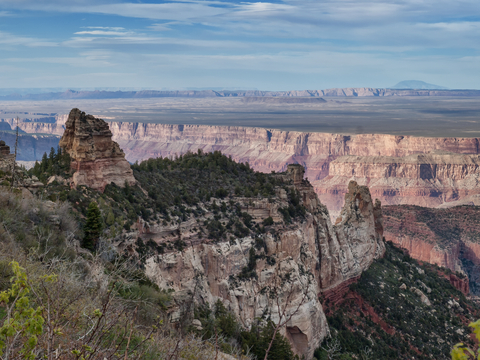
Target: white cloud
<point>103,32</point>
<point>11,40</point>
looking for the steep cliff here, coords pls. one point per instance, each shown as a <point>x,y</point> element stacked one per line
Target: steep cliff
<point>392,166</point>
<point>428,180</point>
<point>447,237</point>
<point>96,159</point>
<point>296,259</point>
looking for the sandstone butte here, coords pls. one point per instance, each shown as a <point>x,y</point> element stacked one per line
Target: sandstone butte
<point>96,160</point>
<point>316,255</point>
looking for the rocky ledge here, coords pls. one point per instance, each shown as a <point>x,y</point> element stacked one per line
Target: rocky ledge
<point>96,159</point>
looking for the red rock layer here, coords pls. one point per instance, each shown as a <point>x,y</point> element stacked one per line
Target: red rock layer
<point>460,284</point>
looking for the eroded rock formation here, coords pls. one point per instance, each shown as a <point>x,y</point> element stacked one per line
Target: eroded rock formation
<point>446,237</point>
<point>428,180</point>
<point>393,166</point>
<point>398,169</point>
<point>297,261</point>
<point>96,159</point>
<point>6,159</point>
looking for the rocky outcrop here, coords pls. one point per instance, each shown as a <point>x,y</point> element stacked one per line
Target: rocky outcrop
<point>96,160</point>
<point>296,262</point>
<point>4,149</point>
<point>6,159</point>
<point>446,237</point>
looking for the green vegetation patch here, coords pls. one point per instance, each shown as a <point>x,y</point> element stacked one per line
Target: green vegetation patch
<point>383,314</point>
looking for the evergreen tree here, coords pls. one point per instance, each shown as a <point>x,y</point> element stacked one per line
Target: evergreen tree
<point>44,162</point>
<point>93,227</point>
<point>110,218</point>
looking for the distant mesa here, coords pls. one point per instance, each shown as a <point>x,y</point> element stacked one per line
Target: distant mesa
<point>283,100</point>
<point>417,85</point>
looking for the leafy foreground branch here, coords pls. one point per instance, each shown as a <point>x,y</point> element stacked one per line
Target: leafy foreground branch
<point>461,351</point>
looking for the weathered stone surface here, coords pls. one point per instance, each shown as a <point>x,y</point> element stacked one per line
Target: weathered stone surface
<point>4,148</point>
<point>6,159</point>
<point>96,159</point>
<point>319,257</point>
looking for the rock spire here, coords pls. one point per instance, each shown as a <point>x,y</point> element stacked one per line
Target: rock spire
<point>96,159</point>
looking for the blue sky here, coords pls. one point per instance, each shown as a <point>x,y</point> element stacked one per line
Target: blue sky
<point>275,45</point>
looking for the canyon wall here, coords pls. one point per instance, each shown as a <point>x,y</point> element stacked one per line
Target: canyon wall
<point>392,166</point>
<point>30,146</point>
<point>296,263</point>
<point>96,160</point>
<point>446,237</point>
<point>427,180</point>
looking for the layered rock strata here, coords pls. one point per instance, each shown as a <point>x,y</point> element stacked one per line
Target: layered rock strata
<point>297,262</point>
<point>447,237</point>
<point>335,92</point>
<point>428,180</point>
<point>96,160</point>
<point>391,165</point>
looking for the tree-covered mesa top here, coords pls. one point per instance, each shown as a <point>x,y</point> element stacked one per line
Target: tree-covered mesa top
<point>173,190</point>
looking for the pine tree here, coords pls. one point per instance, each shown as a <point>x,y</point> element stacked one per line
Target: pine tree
<point>93,227</point>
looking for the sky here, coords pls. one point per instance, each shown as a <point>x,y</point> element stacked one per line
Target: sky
<point>271,45</point>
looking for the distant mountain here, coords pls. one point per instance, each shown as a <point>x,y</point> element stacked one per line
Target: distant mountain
<point>417,85</point>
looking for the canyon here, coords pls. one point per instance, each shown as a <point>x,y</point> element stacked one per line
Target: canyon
<point>303,262</point>
<point>432,172</point>
<point>295,257</point>
<point>297,262</point>
<point>398,169</point>
<point>447,237</point>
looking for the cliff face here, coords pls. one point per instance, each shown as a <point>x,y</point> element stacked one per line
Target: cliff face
<point>31,147</point>
<point>398,169</point>
<point>446,237</point>
<point>392,166</point>
<point>422,179</point>
<point>96,159</point>
<point>295,262</point>
<point>335,92</point>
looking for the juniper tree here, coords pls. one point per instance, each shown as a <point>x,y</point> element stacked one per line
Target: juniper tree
<point>93,226</point>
